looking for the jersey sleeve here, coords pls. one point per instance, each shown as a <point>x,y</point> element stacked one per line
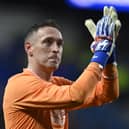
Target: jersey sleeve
<point>27,91</point>
<point>106,90</point>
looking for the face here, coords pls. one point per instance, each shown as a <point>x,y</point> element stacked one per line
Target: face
<point>46,51</point>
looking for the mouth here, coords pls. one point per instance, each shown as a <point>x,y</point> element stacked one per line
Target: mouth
<point>54,59</point>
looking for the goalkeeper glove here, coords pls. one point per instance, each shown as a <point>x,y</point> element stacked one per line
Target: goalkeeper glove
<point>104,40</point>
<point>111,12</point>
<point>112,58</point>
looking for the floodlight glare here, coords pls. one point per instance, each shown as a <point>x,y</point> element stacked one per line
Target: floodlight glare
<point>121,5</point>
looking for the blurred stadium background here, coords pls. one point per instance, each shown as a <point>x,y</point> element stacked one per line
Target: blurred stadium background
<point>15,19</point>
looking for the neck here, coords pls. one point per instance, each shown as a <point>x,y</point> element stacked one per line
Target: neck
<point>41,72</point>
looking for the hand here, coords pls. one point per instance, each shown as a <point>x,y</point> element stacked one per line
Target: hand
<point>114,16</point>
<point>105,29</point>
<point>105,38</point>
<point>102,52</point>
<point>111,12</point>
<point>89,23</point>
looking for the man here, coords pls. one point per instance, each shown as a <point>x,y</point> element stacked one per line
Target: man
<point>35,99</point>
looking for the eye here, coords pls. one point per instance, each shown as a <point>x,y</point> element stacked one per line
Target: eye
<point>48,41</point>
<point>60,43</point>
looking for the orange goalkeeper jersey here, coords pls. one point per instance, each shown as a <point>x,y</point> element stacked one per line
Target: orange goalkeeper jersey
<point>33,103</point>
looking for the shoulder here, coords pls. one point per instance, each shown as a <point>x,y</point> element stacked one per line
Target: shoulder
<point>24,79</point>
<point>20,77</point>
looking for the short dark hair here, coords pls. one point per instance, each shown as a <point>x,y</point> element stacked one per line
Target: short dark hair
<point>36,27</point>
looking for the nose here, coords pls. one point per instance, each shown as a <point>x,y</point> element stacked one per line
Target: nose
<point>55,47</point>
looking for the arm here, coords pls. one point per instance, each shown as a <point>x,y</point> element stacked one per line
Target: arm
<point>111,81</point>
<point>106,90</point>
<point>82,93</point>
<point>35,93</point>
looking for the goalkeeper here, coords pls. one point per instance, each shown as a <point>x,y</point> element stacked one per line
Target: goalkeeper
<point>35,99</point>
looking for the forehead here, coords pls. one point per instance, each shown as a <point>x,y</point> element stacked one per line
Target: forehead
<point>49,32</point>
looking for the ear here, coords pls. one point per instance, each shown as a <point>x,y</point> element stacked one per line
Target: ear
<point>28,48</point>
